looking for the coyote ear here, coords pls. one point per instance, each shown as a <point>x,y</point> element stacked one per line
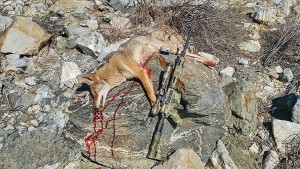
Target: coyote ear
<point>88,78</point>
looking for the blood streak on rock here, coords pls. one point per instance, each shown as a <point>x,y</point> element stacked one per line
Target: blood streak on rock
<point>99,118</point>
<point>114,118</point>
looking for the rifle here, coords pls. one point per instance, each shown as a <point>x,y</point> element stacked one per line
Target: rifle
<point>168,98</point>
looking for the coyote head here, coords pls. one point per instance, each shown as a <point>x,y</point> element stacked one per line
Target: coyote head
<point>98,87</point>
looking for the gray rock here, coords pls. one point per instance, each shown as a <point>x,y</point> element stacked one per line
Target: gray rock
<point>43,92</point>
<point>229,71</point>
<point>250,46</point>
<point>117,5</point>
<point>271,160</point>
<point>49,147</point>
<point>204,111</point>
<point>254,148</point>
<point>182,158</point>
<point>78,8</point>
<point>11,61</point>
<point>23,37</point>
<point>283,131</point>
<point>20,63</point>
<point>297,9</point>
<point>110,48</point>
<point>244,61</point>
<point>284,7</point>
<point>91,44</point>
<point>287,75</point>
<point>296,111</point>
<point>244,106</point>
<point>30,81</point>
<point>220,158</point>
<point>4,22</point>
<point>25,100</point>
<point>264,12</point>
<point>68,75</point>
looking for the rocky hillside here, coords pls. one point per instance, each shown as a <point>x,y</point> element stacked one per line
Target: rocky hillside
<point>243,113</point>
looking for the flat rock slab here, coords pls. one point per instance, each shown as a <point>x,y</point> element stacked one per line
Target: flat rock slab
<point>182,158</point>
<point>125,140</point>
<point>24,37</point>
<point>284,131</point>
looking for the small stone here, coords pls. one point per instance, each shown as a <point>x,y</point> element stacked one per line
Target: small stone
<point>69,72</point>
<point>93,24</point>
<point>13,121</point>
<point>287,75</point>
<point>42,93</point>
<point>250,46</point>
<point>209,56</point>
<point>120,22</point>
<point>20,63</point>
<point>30,81</point>
<point>31,128</point>
<point>34,108</point>
<point>271,160</point>
<point>283,130</point>
<point>21,130</point>
<point>296,111</point>
<point>269,90</point>
<point>47,108</point>
<point>220,157</point>
<point>69,93</point>
<point>4,23</point>
<point>277,69</point>
<point>264,134</point>
<point>254,148</point>
<point>9,127</point>
<point>91,44</point>
<point>1,146</point>
<point>34,122</point>
<point>182,158</point>
<point>229,71</point>
<point>244,61</point>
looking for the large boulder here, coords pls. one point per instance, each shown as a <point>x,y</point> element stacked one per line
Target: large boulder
<point>123,138</point>
<point>24,37</point>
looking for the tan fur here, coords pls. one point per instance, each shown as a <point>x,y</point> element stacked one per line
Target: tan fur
<point>128,63</point>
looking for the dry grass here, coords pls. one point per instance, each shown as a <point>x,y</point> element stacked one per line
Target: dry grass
<point>214,30</point>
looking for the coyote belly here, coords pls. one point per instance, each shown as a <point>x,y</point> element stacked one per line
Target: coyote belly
<point>127,63</point>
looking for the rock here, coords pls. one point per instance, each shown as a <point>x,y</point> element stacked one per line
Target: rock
<point>209,56</point>
<point>297,9</point>
<point>296,111</point>
<point>205,110</point>
<point>11,61</point>
<point>287,75</point>
<point>36,9</point>
<point>51,146</point>
<point>68,75</point>
<point>244,106</point>
<point>43,92</point>
<point>77,7</point>
<point>264,134</point>
<point>24,37</point>
<point>220,158</point>
<point>271,160</point>
<point>244,61</point>
<point>91,44</point>
<point>93,24</point>
<point>264,12</point>
<point>117,5</point>
<point>20,63</point>
<point>254,149</point>
<point>283,131</point>
<point>110,48</point>
<point>24,101</point>
<point>4,23</point>
<point>34,122</point>
<point>229,71</point>
<point>120,23</point>
<point>182,158</point>
<point>250,46</point>
<point>30,81</point>
<point>284,7</point>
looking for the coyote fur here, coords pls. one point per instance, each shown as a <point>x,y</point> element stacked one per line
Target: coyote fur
<point>129,62</point>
